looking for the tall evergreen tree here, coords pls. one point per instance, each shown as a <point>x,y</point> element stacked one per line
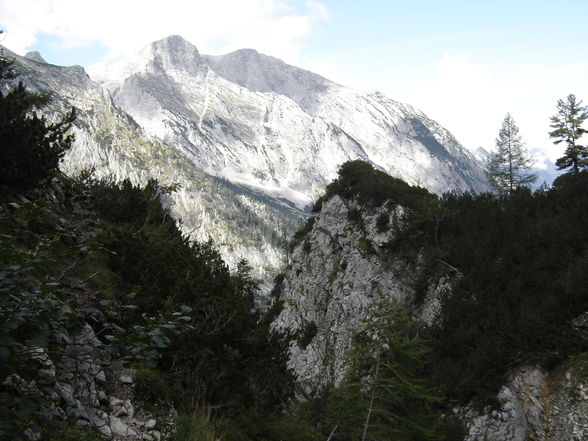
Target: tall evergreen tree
<point>509,166</point>
<point>567,127</point>
<point>385,395</point>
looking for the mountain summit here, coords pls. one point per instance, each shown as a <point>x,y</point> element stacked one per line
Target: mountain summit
<point>258,121</point>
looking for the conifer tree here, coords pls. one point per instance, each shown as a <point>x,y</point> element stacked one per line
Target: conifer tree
<point>567,127</point>
<point>509,166</point>
<point>30,148</point>
<point>385,395</point>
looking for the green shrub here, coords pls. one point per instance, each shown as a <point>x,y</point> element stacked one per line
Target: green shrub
<point>300,235</point>
<point>150,386</point>
<point>309,331</point>
<point>382,222</point>
<point>365,245</point>
<point>196,426</point>
<point>358,179</point>
<point>75,433</point>
<point>523,265</point>
<point>31,148</point>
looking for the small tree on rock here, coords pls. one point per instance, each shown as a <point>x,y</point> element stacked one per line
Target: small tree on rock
<point>509,166</point>
<point>385,394</point>
<point>567,127</point>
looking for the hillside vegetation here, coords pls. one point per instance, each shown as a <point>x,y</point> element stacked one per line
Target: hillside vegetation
<point>519,266</point>
<point>97,272</point>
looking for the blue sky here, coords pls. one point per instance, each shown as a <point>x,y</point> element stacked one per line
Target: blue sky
<point>464,63</point>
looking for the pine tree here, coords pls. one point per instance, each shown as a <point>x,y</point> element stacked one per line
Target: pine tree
<point>30,149</point>
<point>567,125</point>
<point>385,395</point>
<point>508,167</point>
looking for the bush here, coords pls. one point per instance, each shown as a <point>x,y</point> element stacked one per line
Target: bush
<point>150,386</point>
<point>195,427</point>
<point>31,148</point>
<point>523,264</point>
<point>75,433</point>
<point>300,235</point>
<point>309,331</point>
<point>358,179</point>
<point>382,222</point>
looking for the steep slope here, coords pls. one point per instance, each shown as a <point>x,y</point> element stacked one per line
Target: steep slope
<point>243,223</point>
<point>358,247</point>
<point>256,120</point>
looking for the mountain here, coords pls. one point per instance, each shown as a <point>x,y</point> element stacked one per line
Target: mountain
<point>258,121</point>
<point>250,140</point>
<point>242,222</point>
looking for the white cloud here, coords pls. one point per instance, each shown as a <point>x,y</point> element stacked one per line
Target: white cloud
<point>461,96</point>
<point>471,100</point>
<point>125,26</point>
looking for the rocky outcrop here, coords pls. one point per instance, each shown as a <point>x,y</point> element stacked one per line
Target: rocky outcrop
<point>335,273</point>
<point>537,406</point>
<point>344,262</point>
<point>73,386</point>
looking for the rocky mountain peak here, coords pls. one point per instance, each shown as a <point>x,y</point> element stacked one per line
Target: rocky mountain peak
<point>35,56</point>
<point>263,73</point>
<point>174,52</point>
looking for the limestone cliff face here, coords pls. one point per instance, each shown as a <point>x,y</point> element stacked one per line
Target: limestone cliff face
<point>537,405</point>
<point>334,275</point>
<point>336,271</point>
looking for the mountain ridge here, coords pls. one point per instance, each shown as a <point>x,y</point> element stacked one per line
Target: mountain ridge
<point>237,103</point>
<point>234,150</point>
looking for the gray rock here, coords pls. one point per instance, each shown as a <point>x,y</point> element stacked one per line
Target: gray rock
<point>150,424</point>
<point>120,428</point>
<point>125,379</point>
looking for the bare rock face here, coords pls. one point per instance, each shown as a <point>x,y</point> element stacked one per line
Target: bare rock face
<point>335,274</point>
<point>537,406</point>
<point>35,56</point>
<point>254,119</point>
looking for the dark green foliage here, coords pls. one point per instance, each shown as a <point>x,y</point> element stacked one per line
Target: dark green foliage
<point>508,167</point>
<point>567,127</point>
<point>382,222</point>
<point>229,356</point>
<point>354,216</point>
<point>75,433</point>
<point>7,71</point>
<point>153,283</point>
<point>307,334</point>
<point>366,245</point>
<point>30,149</point>
<point>197,426</point>
<point>150,386</point>
<point>45,303</point>
<point>385,394</point>
<point>300,235</point>
<point>523,261</point>
<point>358,179</point>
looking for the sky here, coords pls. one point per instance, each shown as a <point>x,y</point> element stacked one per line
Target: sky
<point>464,63</point>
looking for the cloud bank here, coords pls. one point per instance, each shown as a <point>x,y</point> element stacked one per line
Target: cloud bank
<point>123,27</point>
